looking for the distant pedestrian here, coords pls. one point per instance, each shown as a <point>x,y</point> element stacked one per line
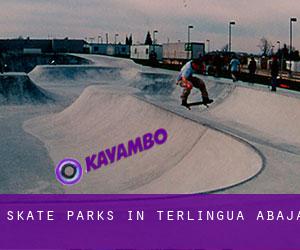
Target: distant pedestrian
<point>252,69</point>
<point>218,65</point>
<point>235,68</point>
<point>274,73</point>
<point>153,57</point>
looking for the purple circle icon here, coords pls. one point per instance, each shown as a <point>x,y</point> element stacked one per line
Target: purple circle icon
<point>68,172</point>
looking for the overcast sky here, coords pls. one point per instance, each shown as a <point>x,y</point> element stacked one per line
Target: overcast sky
<point>90,18</point>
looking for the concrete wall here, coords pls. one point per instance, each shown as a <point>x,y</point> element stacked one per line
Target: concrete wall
<point>45,45</point>
<point>32,51</point>
<point>20,62</point>
<point>67,45</point>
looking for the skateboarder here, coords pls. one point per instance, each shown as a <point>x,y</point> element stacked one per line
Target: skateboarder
<point>187,81</point>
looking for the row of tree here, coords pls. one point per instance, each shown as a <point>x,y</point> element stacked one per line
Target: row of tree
<point>128,40</point>
<point>267,49</point>
<point>148,40</point>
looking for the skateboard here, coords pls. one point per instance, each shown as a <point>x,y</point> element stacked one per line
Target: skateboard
<point>189,105</point>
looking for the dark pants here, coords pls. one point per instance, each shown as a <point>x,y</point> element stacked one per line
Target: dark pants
<point>197,83</point>
<point>274,83</point>
<point>235,75</point>
<point>251,76</point>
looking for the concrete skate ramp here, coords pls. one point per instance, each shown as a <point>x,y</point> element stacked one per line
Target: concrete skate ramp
<point>263,113</point>
<point>17,88</point>
<point>150,83</point>
<point>194,159</point>
<point>154,83</point>
<point>109,61</point>
<point>74,73</point>
<point>149,80</point>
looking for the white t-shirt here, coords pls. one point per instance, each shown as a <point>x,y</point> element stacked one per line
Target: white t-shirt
<point>187,71</point>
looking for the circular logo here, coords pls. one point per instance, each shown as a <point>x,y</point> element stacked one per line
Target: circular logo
<point>68,172</point>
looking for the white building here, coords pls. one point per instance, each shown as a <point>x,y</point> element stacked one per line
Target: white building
<point>295,66</point>
<point>122,50</point>
<point>182,51</point>
<point>146,52</point>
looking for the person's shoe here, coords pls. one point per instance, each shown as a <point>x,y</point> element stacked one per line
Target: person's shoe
<point>206,100</point>
<point>184,103</point>
<point>273,89</point>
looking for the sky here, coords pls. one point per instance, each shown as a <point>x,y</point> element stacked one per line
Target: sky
<point>92,18</point>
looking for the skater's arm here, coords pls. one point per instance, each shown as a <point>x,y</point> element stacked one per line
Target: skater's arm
<point>183,79</point>
<point>184,75</point>
<point>186,82</point>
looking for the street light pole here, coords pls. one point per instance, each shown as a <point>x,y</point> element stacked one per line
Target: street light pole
<point>281,57</point>
<point>229,43</point>
<point>208,45</point>
<point>154,41</point>
<point>106,38</point>
<point>116,35</point>
<point>292,19</point>
<point>154,32</point>
<point>189,39</point>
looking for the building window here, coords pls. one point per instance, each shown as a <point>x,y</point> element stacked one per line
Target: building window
<point>123,49</point>
<point>147,51</point>
<point>135,51</point>
<point>96,49</point>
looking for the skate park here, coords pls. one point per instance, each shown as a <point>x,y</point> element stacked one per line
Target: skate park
<point>248,141</point>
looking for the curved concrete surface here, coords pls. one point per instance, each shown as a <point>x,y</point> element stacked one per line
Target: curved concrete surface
<point>73,73</point>
<point>194,159</point>
<point>17,88</point>
<point>262,112</point>
<point>266,121</point>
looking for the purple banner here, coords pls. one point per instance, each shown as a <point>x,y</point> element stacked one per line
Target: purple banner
<point>150,222</point>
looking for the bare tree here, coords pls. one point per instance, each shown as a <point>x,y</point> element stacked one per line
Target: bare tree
<point>225,48</point>
<point>265,46</point>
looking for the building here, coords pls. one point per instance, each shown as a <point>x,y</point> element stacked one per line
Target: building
<point>179,52</point>
<point>120,50</point>
<point>42,45</point>
<point>295,66</point>
<point>68,45</point>
<point>146,52</point>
